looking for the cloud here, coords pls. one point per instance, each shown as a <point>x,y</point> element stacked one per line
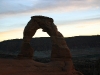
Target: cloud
<point>85,24</point>
<point>81,22</point>
<point>38,6</point>
<point>80,28</point>
<point>84,27</point>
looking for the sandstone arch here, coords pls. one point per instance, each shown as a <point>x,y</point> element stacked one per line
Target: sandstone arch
<point>60,51</point>
<point>60,56</point>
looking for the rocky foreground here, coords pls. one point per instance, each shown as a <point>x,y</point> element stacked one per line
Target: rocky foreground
<point>31,67</point>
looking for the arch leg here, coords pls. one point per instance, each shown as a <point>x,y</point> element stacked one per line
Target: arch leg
<point>26,49</point>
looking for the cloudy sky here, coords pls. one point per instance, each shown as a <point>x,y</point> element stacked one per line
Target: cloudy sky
<point>72,17</point>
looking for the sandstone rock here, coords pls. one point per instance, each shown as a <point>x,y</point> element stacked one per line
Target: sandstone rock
<point>61,60</point>
<point>30,67</point>
<point>26,51</point>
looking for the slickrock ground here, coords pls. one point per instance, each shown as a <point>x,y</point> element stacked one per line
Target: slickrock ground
<point>31,67</point>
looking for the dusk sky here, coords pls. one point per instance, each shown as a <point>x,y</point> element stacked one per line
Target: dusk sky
<point>72,17</point>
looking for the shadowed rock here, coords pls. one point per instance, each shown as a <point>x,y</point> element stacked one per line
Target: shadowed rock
<point>61,60</point>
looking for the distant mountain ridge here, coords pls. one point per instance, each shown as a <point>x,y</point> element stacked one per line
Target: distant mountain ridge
<point>12,47</point>
<point>72,42</point>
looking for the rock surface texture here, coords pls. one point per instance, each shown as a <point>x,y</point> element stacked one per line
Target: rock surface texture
<point>61,60</point>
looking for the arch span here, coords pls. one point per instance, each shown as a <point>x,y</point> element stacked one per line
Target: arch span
<point>60,50</point>
<point>60,56</point>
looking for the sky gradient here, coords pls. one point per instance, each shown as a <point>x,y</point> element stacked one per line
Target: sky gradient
<point>72,17</point>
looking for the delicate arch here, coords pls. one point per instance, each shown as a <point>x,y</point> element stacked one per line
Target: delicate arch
<point>60,51</point>
<point>60,56</point>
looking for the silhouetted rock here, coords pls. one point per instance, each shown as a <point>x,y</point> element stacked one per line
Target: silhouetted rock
<point>61,60</point>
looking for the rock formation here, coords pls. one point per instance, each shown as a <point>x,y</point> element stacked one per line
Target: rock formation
<point>61,60</point>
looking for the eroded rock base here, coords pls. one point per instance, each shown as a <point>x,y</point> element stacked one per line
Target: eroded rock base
<point>30,67</point>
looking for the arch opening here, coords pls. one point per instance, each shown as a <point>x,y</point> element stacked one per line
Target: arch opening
<point>40,33</point>
<point>42,46</point>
